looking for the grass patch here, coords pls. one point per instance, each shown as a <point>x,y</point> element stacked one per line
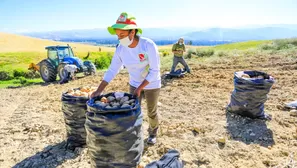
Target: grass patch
<point>19,82</point>
<point>19,60</point>
<point>282,44</point>
<point>241,45</point>
<point>14,66</point>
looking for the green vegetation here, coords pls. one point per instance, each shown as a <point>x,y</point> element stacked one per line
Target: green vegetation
<point>18,82</point>
<point>164,52</point>
<point>19,60</point>
<point>241,45</point>
<point>14,65</point>
<point>280,44</point>
<point>100,59</point>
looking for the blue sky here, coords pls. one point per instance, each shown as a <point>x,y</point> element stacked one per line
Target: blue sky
<point>50,15</point>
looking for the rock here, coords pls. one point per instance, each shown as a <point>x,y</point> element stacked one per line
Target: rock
<point>150,153</point>
<point>159,104</point>
<point>125,106</point>
<point>102,104</point>
<point>132,101</point>
<point>118,95</point>
<point>126,102</point>
<point>222,140</point>
<point>198,130</point>
<point>115,105</point>
<point>104,99</point>
<point>108,107</point>
<point>293,113</point>
<point>124,99</point>
<point>202,157</point>
<point>110,98</point>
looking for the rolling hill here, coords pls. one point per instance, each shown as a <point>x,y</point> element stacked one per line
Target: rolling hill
<point>20,43</point>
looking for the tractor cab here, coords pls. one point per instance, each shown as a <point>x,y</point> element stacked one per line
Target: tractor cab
<point>57,54</point>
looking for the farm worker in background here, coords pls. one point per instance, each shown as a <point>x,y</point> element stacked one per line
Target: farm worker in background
<point>141,58</point>
<point>69,73</point>
<point>178,49</point>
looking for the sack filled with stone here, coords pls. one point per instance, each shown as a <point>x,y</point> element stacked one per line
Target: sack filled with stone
<point>114,130</point>
<point>74,109</point>
<point>250,92</point>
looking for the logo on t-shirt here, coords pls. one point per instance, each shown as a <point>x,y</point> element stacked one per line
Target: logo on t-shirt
<point>141,57</point>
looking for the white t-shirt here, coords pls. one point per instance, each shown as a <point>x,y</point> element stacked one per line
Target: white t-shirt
<point>70,68</point>
<point>142,62</point>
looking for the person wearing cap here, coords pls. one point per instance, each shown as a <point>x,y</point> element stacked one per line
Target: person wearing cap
<point>178,50</point>
<point>69,73</point>
<point>140,56</point>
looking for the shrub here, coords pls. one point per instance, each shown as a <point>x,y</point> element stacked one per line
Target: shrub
<point>280,44</point>
<point>103,61</point>
<point>5,75</point>
<point>222,54</point>
<point>32,74</point>
<point>18,73</point>
<point>20,80</point>
<point>165,53</point>
<point>190,52</point>
<point>204,52</point>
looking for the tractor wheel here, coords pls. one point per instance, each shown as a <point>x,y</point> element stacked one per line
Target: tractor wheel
<point>47,71</point>
<point>61,72</point>
<point>91,68</point>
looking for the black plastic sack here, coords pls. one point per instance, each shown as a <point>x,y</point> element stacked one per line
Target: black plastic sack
<point>169,160</point>
<point>250,94</point>
<point>176,74</point>
<point>74,110</point>
<point>114,136</point>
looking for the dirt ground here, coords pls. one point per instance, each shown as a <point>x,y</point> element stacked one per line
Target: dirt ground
<point>193,119</point>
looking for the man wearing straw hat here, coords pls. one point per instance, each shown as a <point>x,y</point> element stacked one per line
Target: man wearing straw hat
<point>140,57</point>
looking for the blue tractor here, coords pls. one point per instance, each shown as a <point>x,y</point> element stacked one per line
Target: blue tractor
<point>57,58</point>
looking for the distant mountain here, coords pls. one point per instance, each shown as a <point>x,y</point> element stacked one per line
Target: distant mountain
<point>101,33</point>
<point>226,34</point>
<point>71,34</point>
<point>254,32</point>
<point>288,26</point>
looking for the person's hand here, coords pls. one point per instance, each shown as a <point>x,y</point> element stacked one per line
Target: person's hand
<point>137,92</point>
<point>180,52</point>
<point>95,94</point>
